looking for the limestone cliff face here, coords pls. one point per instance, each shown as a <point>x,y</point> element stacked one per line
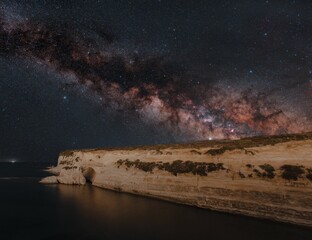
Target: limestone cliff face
<point>266,177</point>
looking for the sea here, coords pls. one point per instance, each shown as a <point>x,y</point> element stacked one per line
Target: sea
<point>30,210</point>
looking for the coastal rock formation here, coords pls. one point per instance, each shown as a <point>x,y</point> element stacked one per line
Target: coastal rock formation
<point>265,177</point>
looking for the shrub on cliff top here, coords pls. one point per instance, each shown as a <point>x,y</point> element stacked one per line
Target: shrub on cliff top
<point>292,172</point>
<point>175,167</point>
<point>269,170</point>
<point>67,153</point>
<point>249,165</point>
<point>309,175</point>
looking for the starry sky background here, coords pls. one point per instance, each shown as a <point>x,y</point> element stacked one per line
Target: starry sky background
<point>175,71</point>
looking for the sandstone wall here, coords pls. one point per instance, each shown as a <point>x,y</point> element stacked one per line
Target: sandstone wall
<point>261,177</point>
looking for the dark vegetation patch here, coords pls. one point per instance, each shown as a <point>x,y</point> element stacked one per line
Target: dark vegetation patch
<point>309,175</point>
<point>268,170</point>
<point>289,172</point>
<point>66,162</point>
<point>257,172</point>
<point>249,165</point>
<point>219,151</point>
<point>292,172</point>
<point>69,167</point>
<point>157,152</point>
<point>249,152</point>
<point>67,153</point>
<point>241,175</point>
<point>176,167</point>
<point>196,152</point>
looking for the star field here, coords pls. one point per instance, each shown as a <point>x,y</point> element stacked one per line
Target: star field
<point>78,75</point>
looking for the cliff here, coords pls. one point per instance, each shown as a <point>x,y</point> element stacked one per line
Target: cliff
<point>265,177</point>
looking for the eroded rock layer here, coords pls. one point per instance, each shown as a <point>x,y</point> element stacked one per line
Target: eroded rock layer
<point>265,177</point>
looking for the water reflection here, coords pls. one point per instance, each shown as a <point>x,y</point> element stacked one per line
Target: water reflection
<point>30,210</point>
<point>122,216</point>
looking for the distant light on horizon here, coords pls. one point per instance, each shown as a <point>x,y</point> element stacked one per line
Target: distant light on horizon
<point>10,160</point>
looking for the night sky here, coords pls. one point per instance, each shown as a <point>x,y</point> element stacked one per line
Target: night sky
<point>85,74</point>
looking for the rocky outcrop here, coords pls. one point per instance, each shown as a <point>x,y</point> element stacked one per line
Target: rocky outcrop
<point>265,177</point>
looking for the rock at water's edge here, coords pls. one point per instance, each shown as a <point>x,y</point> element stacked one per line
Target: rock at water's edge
<point>264,177</point>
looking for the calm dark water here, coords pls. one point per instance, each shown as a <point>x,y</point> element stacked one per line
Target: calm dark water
<point>30,210</point>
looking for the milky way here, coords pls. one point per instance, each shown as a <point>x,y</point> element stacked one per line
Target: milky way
<point>152,88</point>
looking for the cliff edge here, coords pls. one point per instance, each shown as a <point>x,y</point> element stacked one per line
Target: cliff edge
<point>265,177</point>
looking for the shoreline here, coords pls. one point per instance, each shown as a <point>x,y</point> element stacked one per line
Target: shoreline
<point>262,177</point>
